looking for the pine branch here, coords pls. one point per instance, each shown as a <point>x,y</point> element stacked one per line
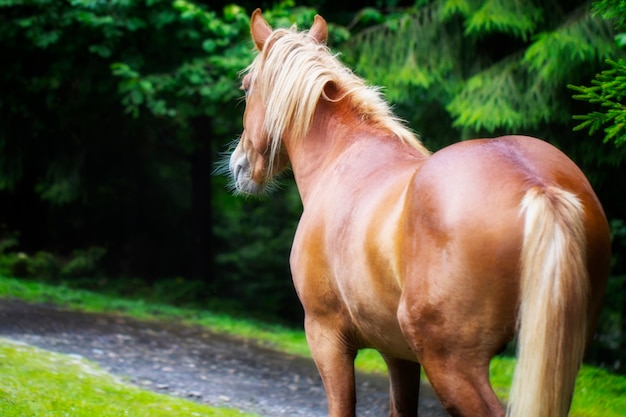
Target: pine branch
<point>399,54</point>
<point>425,53</point>
<point>504,96</point>
<point>581,40</point>
<point>516,18</point>
<point>613,10</point>
<point>609,91</point>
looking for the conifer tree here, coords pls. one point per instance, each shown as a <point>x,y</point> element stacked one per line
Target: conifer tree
<point>609,86</point>
<point>488,66</point>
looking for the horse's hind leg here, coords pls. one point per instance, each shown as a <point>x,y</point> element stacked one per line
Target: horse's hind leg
<point>462,386</point>
<point>404,385</point>
<point>455,358</point>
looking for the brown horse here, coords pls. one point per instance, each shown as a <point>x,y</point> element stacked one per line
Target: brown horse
<point>433,260</point>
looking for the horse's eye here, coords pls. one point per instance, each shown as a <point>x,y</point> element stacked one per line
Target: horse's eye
<point>245,89</point>
<point>245,85</point>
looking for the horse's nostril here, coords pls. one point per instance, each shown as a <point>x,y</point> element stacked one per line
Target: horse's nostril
<point>232,165</point>
<point>236,171</point>
<point>240,168</point>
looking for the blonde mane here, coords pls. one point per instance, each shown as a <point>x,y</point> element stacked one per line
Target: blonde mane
<point>291,72</point>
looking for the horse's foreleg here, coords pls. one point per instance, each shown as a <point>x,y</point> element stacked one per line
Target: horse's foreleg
<point>404,385</point>
<point>334,357</point>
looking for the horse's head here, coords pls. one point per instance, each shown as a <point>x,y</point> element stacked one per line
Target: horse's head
<point>260,153</point>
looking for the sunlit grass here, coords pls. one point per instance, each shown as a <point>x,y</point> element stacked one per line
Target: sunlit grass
<point>35,382</point>
<point>598,393</point>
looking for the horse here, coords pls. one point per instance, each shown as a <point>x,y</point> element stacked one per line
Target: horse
<point>435,260</point>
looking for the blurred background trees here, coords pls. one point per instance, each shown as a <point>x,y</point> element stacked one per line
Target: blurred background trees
<point>114,114</point>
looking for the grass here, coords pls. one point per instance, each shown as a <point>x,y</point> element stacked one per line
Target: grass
<point>39,383</point>
<point>598,392</point>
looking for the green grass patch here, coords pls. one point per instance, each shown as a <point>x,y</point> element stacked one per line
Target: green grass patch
<point>35,382</point>
<point>598,393</point>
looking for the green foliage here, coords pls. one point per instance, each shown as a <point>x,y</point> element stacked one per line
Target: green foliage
<point>90,174</point>
<point>396,54</point>
<point>609,91</point>
<point>504,72</point>
<point>61,182</point>
<point>615,12</point>
<point>66,384</point>
<point>198,85</point>
<point>84,263</point>
<point>46,266</point>
<point>481,106</point>
<point>204,84</point>
<point>87,51</point>
<point>113,114</point>
<point>521,94</point>
<point>609,86</point>
<point>519,19</point>
<point>8,240</point>
<point>255,262</point>
<point>554,54</point>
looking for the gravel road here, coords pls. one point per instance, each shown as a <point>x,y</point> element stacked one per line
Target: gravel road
<point>191,362</point>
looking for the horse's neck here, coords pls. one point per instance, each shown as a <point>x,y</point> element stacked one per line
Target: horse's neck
<point>359,149</point>
<point>309,156</point>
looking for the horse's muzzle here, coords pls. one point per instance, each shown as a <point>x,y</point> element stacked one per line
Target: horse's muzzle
<point>241,171</point>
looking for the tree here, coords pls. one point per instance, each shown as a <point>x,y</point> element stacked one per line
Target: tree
<point>609,91</point>
<point>68,150</point>
<point>609,86</point>
<point>112,116</point>
<point>486,66</point>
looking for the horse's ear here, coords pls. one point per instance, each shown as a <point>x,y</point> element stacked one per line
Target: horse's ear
<point>259,29</point>
<point>331,92</point>
<point>319,30</point>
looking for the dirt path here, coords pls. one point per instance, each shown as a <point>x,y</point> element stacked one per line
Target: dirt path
<point>192,362</point>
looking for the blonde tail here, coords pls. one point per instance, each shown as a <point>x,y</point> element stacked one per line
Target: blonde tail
<point>552,317</point>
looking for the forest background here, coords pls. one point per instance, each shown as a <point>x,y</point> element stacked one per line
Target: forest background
<point>114,115</point>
